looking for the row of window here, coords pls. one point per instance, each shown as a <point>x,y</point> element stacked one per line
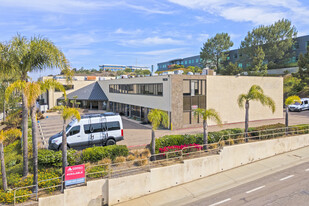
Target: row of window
<point>94,128</point>
<point>185,62</point>
<point>142,89</point>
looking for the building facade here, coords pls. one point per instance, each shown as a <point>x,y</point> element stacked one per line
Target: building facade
<point>300,47</point>
<point>180,95</point>
<point>115,68</point>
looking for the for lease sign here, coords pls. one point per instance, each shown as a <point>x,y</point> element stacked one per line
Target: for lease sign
<point>74,175</point>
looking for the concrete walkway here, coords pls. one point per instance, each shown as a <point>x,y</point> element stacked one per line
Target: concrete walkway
<point>206,187</point>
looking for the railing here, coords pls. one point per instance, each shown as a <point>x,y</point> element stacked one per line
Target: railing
<point>141,165</point>
<point>42,134</point>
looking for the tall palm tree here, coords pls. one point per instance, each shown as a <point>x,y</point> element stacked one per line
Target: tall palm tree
<point>28,55</point>
<point>207,114</point>
<point>156,117</point>
<point>3,172</point>
<point>32,91</point>
<point>3,135</point>
<point>67,113</point>
<point>255,93</point>
<point>290,100</point>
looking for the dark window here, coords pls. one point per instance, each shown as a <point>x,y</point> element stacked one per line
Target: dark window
<point>66,87</point>
<point>306,102</point>
<point>74,130</point>
<point>235,56</point>
<point>113,126</point>
<point>143,89</point>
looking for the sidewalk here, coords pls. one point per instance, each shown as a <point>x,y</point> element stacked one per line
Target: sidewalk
<point>208,186</point>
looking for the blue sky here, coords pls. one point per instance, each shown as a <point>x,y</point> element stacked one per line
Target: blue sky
<point>142,32</point>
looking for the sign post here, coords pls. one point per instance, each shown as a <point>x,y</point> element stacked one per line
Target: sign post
<point>74,175</point>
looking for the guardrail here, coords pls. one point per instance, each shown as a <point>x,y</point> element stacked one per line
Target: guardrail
<point>167,158</point>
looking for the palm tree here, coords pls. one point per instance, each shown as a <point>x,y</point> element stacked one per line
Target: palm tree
<point>156,117</point>
<point>26,56</point>
<point>3,136</point>
<point>290,100</point>
<point>255,93</point>
<point>207,114</point>
<point>67,113</point>
<point>32,91</point>
<point>3,172</point>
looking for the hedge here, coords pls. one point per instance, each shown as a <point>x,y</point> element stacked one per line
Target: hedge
<point>50,158</point>
<point>171,140</point>
<point>274,130</point>
<point>94,154</point>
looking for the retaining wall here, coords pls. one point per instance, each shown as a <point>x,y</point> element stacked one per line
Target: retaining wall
<point>121,189</point>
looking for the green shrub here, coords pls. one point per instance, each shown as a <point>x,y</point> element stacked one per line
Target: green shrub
<point>50,158</point>
<point>8,197</point>
<point>100,171</point>
<point>94,154</point>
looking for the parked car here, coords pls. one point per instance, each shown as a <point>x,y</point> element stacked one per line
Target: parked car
<point>92,129</point>
<point>298,107</point>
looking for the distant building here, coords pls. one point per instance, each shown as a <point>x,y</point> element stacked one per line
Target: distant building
<point>300,47</point>
<point>115,68</point>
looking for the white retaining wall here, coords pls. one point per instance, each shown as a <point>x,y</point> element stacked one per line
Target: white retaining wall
<point>125,188</point>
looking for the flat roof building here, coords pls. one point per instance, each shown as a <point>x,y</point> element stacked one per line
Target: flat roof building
<point>300,47</point>
<point>179,95</point>
<point>115,68</point>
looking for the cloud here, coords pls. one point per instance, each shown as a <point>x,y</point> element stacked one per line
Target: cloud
<point>78,6</point>
<point>129,32</point>
<point>78,40</point>
<point>71,53</point>
<point>160,52</point>
<point>255,11</point>
<point>152,41</point>
<point>203,37</point>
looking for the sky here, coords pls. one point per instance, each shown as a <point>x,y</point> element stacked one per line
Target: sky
<point>140,32</point>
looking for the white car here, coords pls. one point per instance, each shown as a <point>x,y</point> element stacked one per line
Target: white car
<point>92,129</point>
<point>298,107</point>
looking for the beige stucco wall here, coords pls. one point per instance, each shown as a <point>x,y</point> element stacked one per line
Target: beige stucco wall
<point>53,96</point>
<point>223,92</point>
<point>149,101</point>
<point>113,191</point>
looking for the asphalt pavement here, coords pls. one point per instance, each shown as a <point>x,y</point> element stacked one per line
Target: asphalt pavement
<point>279,180</point>
<point>285,188</point>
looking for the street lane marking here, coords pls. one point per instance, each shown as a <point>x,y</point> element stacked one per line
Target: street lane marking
<point>287,177</point>
<point>223,201</point>
<point>255,189</point>
<point>307,170</point>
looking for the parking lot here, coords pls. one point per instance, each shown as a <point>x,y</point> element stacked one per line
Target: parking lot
<point>137,135</point>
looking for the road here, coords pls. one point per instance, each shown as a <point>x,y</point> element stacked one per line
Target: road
<point>288,187</point>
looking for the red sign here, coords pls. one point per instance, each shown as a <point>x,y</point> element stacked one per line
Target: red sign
<point>74,174</point>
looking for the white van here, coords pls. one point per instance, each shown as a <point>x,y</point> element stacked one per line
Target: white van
<point>92,129</point>
<point>297,107</point>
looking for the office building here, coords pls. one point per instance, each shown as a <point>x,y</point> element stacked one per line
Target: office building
<point>179,95</point>
<point>300,47</point>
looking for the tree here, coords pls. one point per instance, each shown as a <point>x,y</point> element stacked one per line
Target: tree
<point>3,172</point>
<point>255,93</point>
<point>26,56</point>
<point>276,40</point>
<point>146,72</point>
<point>231,69</point>
<point>138,72</point>
<point>120,72</point>
<point>303,64</point>
<point>213,51</point>
<point>6,135</point>
<point>156,117</point>
<point>32,90</point>
<point>207,114</point>
<point>66,114</point>
<point>127,70</point>
<point>258,67</point>
<point>290,100</point>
